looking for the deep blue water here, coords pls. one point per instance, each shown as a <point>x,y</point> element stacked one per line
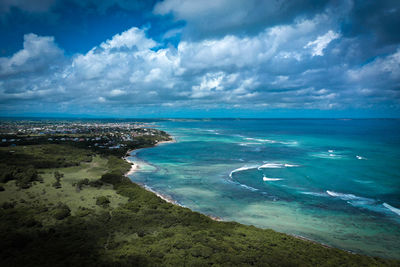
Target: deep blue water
<point>333,181</point>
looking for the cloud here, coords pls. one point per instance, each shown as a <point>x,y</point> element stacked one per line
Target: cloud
<point>388,67</point>
<point>38,53</point>
<point>219,17</point>
<point>303,63</point>
<point>128,39</point>
<point>44,6</point>
<point>29,6</point>
<point>321,43</point>
<point>375,20</point>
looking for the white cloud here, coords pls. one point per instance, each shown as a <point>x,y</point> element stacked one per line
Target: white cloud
<point>318,46</point>
<point>381,67</point>
<point>271,69</point>
<point>128,39</point>
<point>37,53</point>
<point>210,82</point>
<point>117,92</point>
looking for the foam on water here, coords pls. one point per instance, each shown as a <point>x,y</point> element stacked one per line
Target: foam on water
<point>248,187</point>
<point>271,179</point>
<point>270,141</point>
<point>328,155</point>
<point>343,196</point>
<point>276,166</point>
<point>318,194</point>
<point>262,140</point>
<point>249,144</point>
<point>242,185</point>
<point>271,166</point>
<point>321,189</point>
<point>391,208</point>
<point>244,168</point>
<point>290,165</point>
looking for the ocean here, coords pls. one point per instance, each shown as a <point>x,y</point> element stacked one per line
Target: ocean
<point>334,181</point>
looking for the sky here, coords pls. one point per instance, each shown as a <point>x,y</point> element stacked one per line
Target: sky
<point>209,58</point>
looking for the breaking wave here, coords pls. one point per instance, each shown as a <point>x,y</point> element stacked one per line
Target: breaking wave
<point>244,168</point>
<point>271,179</point>
<point>276,166</point>
<point>391,208</point>
<point>270,141</point>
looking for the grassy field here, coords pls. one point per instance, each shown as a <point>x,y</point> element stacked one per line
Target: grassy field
<point>44,193</point>
<point>108,221</point>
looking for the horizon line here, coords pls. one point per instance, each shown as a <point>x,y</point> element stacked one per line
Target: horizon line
<point>194,118</point>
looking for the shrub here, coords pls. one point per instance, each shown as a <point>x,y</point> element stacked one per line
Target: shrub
<point>102,201</point>
<point>61,211</point>
<point>112,178</point>
<point>82,183</point>
<point>58,177</point>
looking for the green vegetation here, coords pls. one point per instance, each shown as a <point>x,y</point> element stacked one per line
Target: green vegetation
<point>99,218</point>
<point>61,211</point>
<point>58,177</point>
<point>102,201</point>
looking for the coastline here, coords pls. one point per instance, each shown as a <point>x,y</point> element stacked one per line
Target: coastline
<point>135,167</point>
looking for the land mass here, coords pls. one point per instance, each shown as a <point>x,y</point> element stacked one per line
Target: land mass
<point>67,202</point>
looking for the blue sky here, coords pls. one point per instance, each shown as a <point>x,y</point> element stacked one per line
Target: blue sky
<point>210,58</point>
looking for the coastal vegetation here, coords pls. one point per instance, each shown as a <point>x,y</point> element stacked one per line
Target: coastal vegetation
<point>65,205</point>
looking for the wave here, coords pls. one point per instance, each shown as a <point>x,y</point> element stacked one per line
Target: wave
<point>213,131</point>
<point>357,201</point>
<point>341,195</point>
<point>391,208</point>
<point>244,168</point>
<point>359,157</point>
<point>242,185</point>
<point>290,165</point>
<point>271,166</point>
<point>314,194</point>
<point>270,141</point>
<point>352,199</point>
<point>271,179</point>
<point>247,144</point>
<point>248,187</point>
<point>262,140</point>
<point>276,166</point>
<point>327,155</point>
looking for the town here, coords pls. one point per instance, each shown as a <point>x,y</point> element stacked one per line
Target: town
<point>99,136</point>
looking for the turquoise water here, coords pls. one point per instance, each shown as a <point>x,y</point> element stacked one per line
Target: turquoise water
<point>333,181</point>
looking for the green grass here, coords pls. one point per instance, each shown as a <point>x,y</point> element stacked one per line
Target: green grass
<point>45,226</point>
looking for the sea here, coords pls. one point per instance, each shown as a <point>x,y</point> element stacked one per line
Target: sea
<point>333,181</point>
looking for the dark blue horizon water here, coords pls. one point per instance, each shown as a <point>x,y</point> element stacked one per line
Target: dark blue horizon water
<point>334,181</point>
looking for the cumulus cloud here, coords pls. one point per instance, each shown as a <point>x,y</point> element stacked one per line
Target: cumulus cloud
<point>303,63</point>
<point>38,53</point>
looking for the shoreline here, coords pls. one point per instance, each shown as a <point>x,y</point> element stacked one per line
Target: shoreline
<point>135,167</point>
